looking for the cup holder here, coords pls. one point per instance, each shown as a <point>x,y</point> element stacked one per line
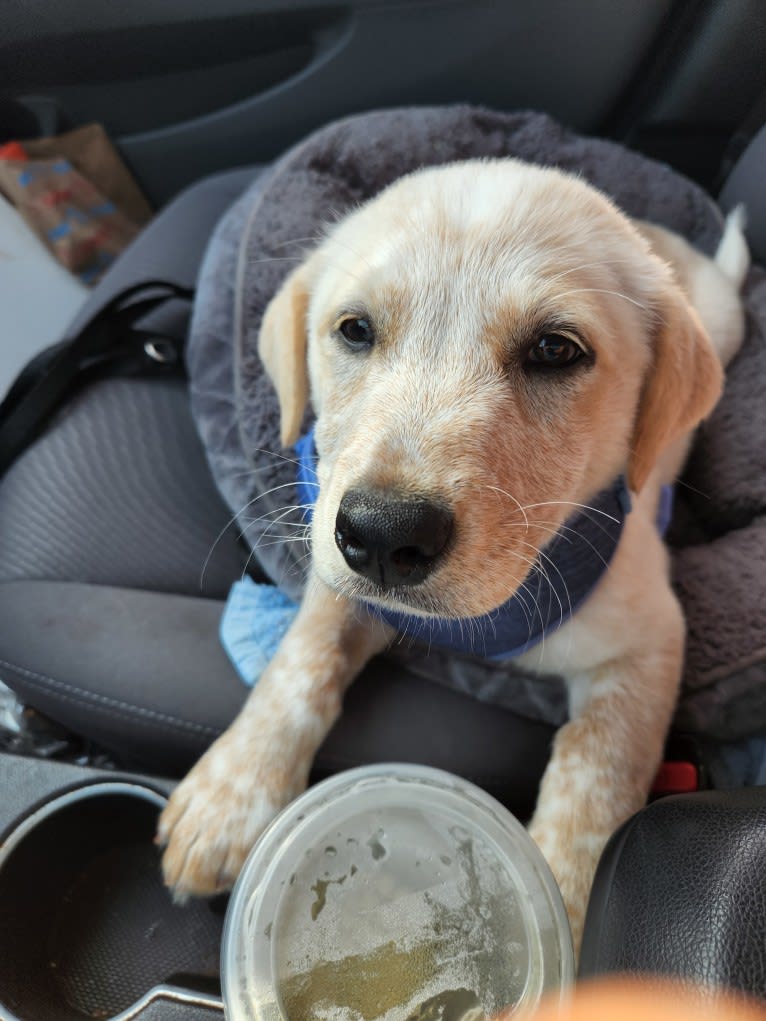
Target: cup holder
<point>87,927</point>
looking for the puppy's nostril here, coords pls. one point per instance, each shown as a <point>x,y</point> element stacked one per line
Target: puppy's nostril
<point>352,542</point>
<point>406,559</point>
<point>349,544</point>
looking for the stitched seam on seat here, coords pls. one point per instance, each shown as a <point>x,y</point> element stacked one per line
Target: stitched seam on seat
<point>124,709</point>
<point>94,708</point>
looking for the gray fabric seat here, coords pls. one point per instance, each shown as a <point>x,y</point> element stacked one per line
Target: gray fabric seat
<point>116,553</point>
<point>117,493</point>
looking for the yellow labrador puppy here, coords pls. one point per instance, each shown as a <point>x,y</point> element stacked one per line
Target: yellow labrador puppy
<point>486,345</point>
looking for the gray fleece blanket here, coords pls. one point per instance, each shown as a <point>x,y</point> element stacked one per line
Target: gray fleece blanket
<point>718,536</point>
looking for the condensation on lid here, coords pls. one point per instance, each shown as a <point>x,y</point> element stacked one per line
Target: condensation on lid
<point>397,893</point>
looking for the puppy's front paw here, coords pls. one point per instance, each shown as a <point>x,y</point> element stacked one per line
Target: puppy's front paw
<point>213,820</point>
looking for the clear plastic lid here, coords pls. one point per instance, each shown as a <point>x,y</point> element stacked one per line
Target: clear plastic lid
<point>398,893</point>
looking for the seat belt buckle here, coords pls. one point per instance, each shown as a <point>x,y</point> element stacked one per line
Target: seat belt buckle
<point>682,770</point>
<point>675,778</point>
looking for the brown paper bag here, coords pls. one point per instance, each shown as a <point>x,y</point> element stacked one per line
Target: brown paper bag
<point>90,151</point>
<point>82,228</point>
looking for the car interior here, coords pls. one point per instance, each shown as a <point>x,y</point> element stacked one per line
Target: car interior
<point>117,551</point>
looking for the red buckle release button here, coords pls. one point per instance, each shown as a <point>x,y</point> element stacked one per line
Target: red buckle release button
<point>13,151</point>
<point>676,778</point>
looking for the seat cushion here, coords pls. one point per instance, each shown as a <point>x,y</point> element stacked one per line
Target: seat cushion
<point>117,492</point>
<point>143,674</point>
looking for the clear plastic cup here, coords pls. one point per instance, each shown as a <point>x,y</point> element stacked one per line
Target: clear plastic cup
<point>398,893</point>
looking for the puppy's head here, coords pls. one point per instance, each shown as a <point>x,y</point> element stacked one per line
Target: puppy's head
<point>487,345</point>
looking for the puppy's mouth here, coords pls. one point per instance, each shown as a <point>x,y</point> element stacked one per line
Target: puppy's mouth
<point>413,601</point>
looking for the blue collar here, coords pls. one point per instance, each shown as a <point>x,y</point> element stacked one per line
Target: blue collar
<point>573,564</point>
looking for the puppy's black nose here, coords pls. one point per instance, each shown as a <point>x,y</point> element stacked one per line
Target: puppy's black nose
<point>390,538</point>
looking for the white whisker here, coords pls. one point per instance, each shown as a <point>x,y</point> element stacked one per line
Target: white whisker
<point>604,290</point>
<point>570,503</point>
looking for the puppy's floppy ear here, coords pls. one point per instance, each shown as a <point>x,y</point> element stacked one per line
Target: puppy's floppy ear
<point>682,386</point>
<point>282,346</point>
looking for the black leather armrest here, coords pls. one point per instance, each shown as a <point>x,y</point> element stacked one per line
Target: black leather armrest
<point>681,891</point>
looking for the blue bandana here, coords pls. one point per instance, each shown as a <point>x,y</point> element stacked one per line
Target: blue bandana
<point>565,574</point>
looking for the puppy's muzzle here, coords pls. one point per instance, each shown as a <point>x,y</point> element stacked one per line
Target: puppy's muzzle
<point>390,538</point>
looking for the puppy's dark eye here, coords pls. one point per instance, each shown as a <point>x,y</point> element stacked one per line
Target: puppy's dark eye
<point>357,333</point>
<point>554,351</point>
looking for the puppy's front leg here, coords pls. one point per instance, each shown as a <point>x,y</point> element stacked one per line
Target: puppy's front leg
<point>262,761</point>
<point>602,766</point>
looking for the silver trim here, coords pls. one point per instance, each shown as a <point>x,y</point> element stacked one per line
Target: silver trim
<point>175,995</point>
<point>161,350</point>
<point>15,837</point>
